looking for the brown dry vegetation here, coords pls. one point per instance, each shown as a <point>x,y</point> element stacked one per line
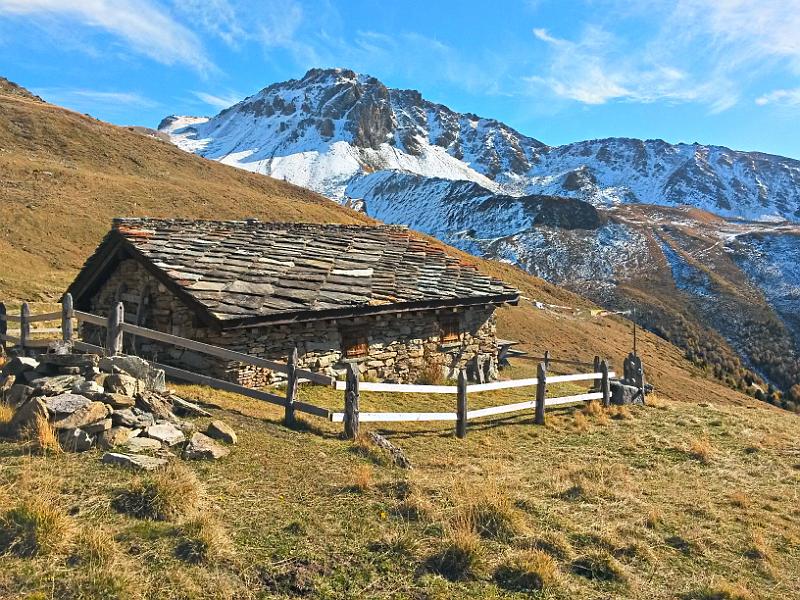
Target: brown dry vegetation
<point>621,510</point>
<point>64,176</point>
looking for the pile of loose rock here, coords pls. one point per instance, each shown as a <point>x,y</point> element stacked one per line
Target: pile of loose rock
<point>116,403</point>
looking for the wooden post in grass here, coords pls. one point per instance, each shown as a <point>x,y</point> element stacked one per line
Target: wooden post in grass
<point>24,327</point>
<point>541,390</point>
<point>116,317</point>
<point>291,389</point>
<point>605,384</point>
<point>546,359</point>
<point>596,369</point>
<point>3,327</point>
<point>461,406</point>
<point>66,318</point>
<point>351,398</point>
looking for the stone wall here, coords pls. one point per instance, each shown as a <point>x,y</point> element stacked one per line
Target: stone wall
<point>402,347</point>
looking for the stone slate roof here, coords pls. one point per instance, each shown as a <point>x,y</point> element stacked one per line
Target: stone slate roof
<point>243,272</point>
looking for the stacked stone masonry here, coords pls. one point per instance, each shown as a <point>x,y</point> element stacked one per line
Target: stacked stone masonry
<point>401,347</point>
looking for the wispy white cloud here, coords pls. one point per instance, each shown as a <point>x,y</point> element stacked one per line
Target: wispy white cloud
<point>782,97</point>
<point>218,101</point>
<point>597,68</point>
<point>144,27</point>
<point>704,51</point>
<point>93,100</point>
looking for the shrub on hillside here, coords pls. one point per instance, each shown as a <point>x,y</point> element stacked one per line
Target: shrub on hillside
<point>528,571</point>
<point>203,540</point>
<point>168,495</point>
<point>34,527</point>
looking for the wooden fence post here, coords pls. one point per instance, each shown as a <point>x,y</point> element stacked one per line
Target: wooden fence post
<point>541,390</point>
<point>546,359</point>
<point>66,318</point>
<point>351,398</point>
<point>596,369</point>
<point>291,389</point>
<point>605,384</point>
<point>3,327</point>
<point>24,327</point>
<point>114,330</point>
<point>461,407</point>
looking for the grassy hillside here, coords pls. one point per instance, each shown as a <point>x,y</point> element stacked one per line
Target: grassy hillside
<point>691,497</point>
<point>675,500</point>
<point>64,176</point>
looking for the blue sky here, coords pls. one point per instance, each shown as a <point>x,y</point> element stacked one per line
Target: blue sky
<point>712,71</point>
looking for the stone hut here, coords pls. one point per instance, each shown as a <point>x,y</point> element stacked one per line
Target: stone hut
<point>398,306</point>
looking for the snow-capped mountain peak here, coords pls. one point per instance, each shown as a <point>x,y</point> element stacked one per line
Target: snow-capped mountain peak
<point>333,127</point>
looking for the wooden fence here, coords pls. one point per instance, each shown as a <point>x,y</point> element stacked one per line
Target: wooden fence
<point>116,328</point>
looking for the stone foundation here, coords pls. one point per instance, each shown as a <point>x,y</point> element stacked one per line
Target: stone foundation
<point>400,347</point>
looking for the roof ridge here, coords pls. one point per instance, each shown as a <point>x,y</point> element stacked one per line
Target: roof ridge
<point>155,222</point>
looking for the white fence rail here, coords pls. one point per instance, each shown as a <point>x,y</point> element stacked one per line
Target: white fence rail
<point>116,327</point>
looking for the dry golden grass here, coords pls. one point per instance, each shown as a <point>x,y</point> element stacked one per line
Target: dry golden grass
<point>592,409</point>
<point>599,565</point>
<point>169,495</point>
<point>204,540</point>
<point>432,374</point>
<point>720,590</point>
<point>363,478</point>
<point>461,555</point>
<point>758,549</point>
<point>620,413</point>
<point>701,449</point>
<point>95,548</point>
<point>489,511</point>
<point>528,571</point>
<point>739,499</point>
<point>554,542</point>
<point>580,423</point>
<point>42,436</point>
<point>6,414</point>
<point>593,482</point>
<point>36,526</point>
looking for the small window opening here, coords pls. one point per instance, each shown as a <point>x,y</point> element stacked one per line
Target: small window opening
<point>354,342</point>
<point>450,326</point>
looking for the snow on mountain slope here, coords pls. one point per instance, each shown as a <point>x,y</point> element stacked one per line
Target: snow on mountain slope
<point>334,126</point>
<point>748,185</point>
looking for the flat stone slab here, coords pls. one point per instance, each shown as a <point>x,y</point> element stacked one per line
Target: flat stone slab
<point>28,413</point>
<point>66,404</point>
<point>98,426</point>
<point>116,436</point>
<point>134,461</point>
<point>184,406</point>
<point>119,383</point>
<point>202,447</point>
<point>59,384</point>
<point>91,413</point>
<point>19,365</point>
<point>142,444</point>
<point>165,432</point>
<point>18,394</point>
<point>132,417</point>
<point>87,387</point>
<point>220,430</point>
<point>69,360</point>
<point>152,378</point>
<point>116,401</point>
<point>156,404</point>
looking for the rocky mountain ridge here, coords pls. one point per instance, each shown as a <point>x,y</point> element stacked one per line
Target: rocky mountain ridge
<point>331,128</point>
